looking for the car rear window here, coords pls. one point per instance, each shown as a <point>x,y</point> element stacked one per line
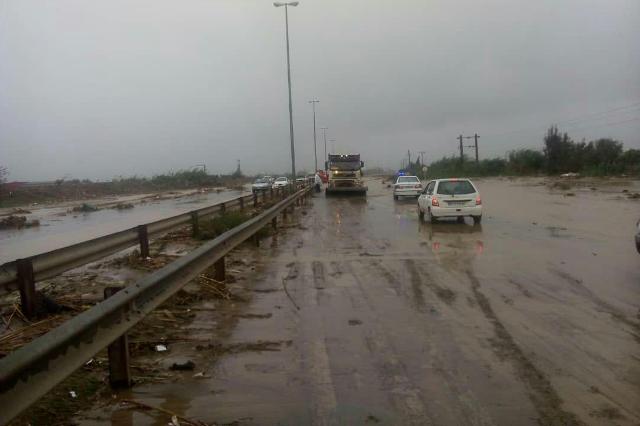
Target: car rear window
<point>408,179</point>
<point>455,187</point>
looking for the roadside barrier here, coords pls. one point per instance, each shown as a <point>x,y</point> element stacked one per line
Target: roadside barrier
<point>22,274</point>
<point>31,371</point>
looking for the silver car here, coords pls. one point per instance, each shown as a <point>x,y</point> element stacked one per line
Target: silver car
<point>260,185</point>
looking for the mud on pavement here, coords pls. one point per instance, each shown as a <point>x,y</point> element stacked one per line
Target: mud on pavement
<point>357,313</point>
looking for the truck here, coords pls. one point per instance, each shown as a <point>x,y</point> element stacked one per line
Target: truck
<point>345,174</point>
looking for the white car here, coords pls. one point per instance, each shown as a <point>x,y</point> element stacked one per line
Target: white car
<point>407,186</point>
<point>450,198</point>
<point>281,182</point>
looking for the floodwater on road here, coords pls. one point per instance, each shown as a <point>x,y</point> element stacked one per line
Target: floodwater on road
<point>530,318</point>
<point>60,227</point>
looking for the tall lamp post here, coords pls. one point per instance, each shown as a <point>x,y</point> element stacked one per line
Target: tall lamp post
<point>324,134</point>
<point>333,145</point>
<point>315,150</point>
<point>286,21</point>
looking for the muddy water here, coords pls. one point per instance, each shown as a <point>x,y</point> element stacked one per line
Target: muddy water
<point>530,318</point>
<point>59,227</point>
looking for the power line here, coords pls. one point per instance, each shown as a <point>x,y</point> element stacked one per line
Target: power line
<point>574,121</point>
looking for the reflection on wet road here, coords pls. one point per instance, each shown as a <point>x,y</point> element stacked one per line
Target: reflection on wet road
<point>399,322</point>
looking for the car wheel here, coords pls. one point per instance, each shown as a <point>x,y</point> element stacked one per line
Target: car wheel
<point>477,220</point>
<point>395,197</point>
<point>420,214</point>
<point>431,218</point>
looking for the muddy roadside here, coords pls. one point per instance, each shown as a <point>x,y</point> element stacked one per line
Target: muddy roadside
<point>175,340</point>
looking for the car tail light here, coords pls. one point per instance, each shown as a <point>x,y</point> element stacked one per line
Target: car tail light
<point>478,201</point>
<point>435,202</point>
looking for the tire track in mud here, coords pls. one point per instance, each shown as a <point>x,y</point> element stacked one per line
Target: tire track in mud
<point>544,397</point>
<point>420,277</point>
<point>404,395</point>
<point>578,287</point>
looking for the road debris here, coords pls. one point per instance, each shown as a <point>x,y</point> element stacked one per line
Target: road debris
<point>17,222</point>
<point>183,366</point>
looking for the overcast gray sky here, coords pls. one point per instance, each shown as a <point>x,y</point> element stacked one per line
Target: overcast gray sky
<point>97,89</point>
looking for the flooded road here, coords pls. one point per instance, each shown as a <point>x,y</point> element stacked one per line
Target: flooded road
<point>375,318</point>
<point>60,227</point>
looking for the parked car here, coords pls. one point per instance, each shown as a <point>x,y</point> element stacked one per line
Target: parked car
<point>450,198</point>
<point>269,178</point>
<point>281,182</point>
<point>638,236</point>
<point>407,186</point>
<point>260,184</point>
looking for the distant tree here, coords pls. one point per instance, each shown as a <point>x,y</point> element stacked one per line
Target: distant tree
<point>630,160</point>
<point>526,161</point>
<point>558,151</point>
<point>608,152</point>
<point>3,179</point>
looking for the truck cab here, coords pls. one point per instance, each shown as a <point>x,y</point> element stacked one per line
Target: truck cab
<point>345,174</point>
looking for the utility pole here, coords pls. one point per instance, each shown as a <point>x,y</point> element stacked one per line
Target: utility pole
<point>409,156</point>
<point>422,156</point>
<point>324,134</point>
<point>315,150</point>
<point>422,165</point>
<point>286,23</point>
<point>476,137</point>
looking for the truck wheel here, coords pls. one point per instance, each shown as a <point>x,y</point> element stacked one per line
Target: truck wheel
<point>477,220</point>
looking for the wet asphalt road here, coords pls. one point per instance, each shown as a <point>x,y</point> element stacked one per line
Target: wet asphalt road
<point>531,318</point>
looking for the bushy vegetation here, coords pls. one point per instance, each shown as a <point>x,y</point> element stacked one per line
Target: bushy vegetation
<point>66,190</point>
<point>220,224</point>
<point>560,154</point>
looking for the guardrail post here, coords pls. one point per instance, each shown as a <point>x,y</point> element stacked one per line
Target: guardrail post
<point>274,222</point>
<point>271,193</point>
<point>220,270</point>
<point>119,371</point>
<point>255,200</point>
<point>27,286</point>
<point>223,208</point>
<point>195,225</point>
<point>241,203</point>
<point>264,197</point>
<point>143,237</point>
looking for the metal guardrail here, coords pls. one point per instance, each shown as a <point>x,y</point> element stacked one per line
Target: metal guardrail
<point>22,274</point>
<point>31,371</point>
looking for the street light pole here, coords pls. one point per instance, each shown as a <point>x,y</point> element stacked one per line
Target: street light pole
<point>286,20</point>
<point>324,134</point>
<point>315,150</point>
<point>333,145</point>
